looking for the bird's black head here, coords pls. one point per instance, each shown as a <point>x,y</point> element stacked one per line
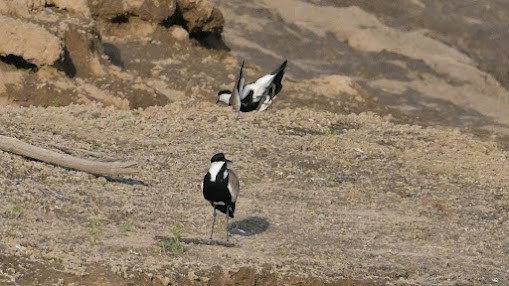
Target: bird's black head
<point>219,157</point>
<point>224,91</point>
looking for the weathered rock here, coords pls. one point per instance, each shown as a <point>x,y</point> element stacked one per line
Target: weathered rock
<point>201,16</point>
<point>20,8</point>
<point>83,51</point>
<point>76,7</point>
<point>179,33</point>
<point>53,52</point>
<point>28,8</point>
<point>147,10</point>
<point>32,42</point>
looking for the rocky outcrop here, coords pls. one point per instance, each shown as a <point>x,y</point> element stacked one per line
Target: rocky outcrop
<point>36,8</point>
<point>29,41</point>
<point>201,16</point>
<point>74,7</point>
<point>154,11</point>
<point>57,47</point>
<point>83,51</point>
<point>58,33</point>
<point>198,17</point>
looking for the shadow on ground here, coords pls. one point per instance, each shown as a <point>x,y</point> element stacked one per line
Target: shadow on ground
<point>249,226</point>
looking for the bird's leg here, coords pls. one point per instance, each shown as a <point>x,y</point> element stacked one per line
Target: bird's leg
<point>213,222</point>
<point>227,218</point>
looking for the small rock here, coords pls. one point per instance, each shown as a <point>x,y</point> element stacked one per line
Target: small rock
<point>165,280</point>
<point>192,276</point>
<point>179,33</point>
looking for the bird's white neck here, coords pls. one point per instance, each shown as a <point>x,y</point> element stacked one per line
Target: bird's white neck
<point>215,167</point>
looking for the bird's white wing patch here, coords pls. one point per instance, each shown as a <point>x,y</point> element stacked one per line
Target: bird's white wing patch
<point>261,85</point>
<point>215,167</point>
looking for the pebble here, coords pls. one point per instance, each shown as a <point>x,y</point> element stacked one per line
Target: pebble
<point>179,33</point>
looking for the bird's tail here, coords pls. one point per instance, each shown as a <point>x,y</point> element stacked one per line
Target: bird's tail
<point>280,68</point>
<point>279,72</point>
<point>231,209</point>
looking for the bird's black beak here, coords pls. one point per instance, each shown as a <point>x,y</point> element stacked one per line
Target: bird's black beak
<point>229,161</point>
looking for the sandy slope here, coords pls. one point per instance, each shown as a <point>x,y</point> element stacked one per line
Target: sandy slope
<point>433,72</point>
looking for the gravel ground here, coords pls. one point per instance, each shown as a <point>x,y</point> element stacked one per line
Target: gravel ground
<point>352,197</point>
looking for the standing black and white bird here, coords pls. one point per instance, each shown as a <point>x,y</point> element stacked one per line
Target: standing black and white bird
<point>258,95</point>
<point>221,188</point>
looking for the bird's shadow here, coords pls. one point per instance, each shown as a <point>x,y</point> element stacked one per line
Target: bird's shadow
<point>128,181</point>
<point>249,226</point>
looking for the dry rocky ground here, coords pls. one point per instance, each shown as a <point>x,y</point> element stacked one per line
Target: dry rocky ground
<point>368,170</point>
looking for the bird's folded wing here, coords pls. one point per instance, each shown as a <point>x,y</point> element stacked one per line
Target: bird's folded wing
<point>233,185</point>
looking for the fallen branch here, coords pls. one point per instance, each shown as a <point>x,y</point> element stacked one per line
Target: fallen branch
<point>114,169</point>
<point>197,240</point>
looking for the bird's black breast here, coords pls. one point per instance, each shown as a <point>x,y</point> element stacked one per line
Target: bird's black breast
<point>247,107</point>
<point>247,103</point>
<point>217,191</point>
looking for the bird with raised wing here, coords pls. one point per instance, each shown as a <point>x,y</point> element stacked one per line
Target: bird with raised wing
<point>256,96</point>
<point>221,187</point>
